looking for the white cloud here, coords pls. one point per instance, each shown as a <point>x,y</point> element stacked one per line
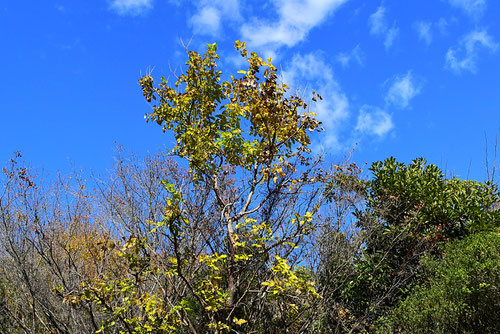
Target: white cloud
<point>443,25</point>
<point>210,14</point>
<point>469,48</point>
<point>295,19</point>
<point>344,58</point>
<point>374,121</point>
<point>333,109</point>
<point>402,90</point>
<point>131,7</point>
<point>206,21</point>
<point>378,24</point>
<point>390,36</point>
<point>474,8</point>
<point>379,27</point>
<point>424,31</point>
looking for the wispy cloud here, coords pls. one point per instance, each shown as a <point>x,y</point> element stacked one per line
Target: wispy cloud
<point>131,7</point>
<point>356,55</point>
<point>312,70</point>
<point>378,24</point>
<point>402,90</point>
<point>374,121</point>
<point>295,19</point>
<point>379,27</point>
<point>443,25</point>
<point>60,8</point>
<point>464,57</point>
<point>210,14</point>
<point>474,8</point>
<point>424,31</point>
<point>390,36</point>
<point>206,21</point>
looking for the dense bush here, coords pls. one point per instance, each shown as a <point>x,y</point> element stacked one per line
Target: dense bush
<point>411,211</point>
<point>461,293</point>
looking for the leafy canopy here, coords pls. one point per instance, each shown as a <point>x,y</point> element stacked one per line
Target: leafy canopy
<point>411,211</point>
<point>242,121</point>
<point>228,246</point>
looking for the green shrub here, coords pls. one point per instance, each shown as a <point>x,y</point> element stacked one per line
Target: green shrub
<point>462,294</point>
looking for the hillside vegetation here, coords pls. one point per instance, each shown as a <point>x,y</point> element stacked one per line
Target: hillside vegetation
<point>240,228</point>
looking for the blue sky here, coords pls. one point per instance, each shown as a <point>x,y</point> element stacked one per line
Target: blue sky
<point>404,78</point>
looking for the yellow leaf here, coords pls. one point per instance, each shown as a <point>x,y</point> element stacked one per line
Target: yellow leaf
<point>239,321</point>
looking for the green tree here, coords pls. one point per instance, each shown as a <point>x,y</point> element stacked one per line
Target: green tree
<point>411,211</point>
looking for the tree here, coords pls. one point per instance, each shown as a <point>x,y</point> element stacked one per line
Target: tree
<point>233,224</point>
<point>411,211</point>
<point>49,241</point>
<point>338,247</point>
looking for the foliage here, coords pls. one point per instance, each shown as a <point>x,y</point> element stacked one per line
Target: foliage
<point>338,245</point>
<point>461,293</point>
<point>244,275</point>
<point>411,211</point>
<point>432,206</point>
<point>6,323</point>
<point>242,122</point>
<point>254,235</point>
